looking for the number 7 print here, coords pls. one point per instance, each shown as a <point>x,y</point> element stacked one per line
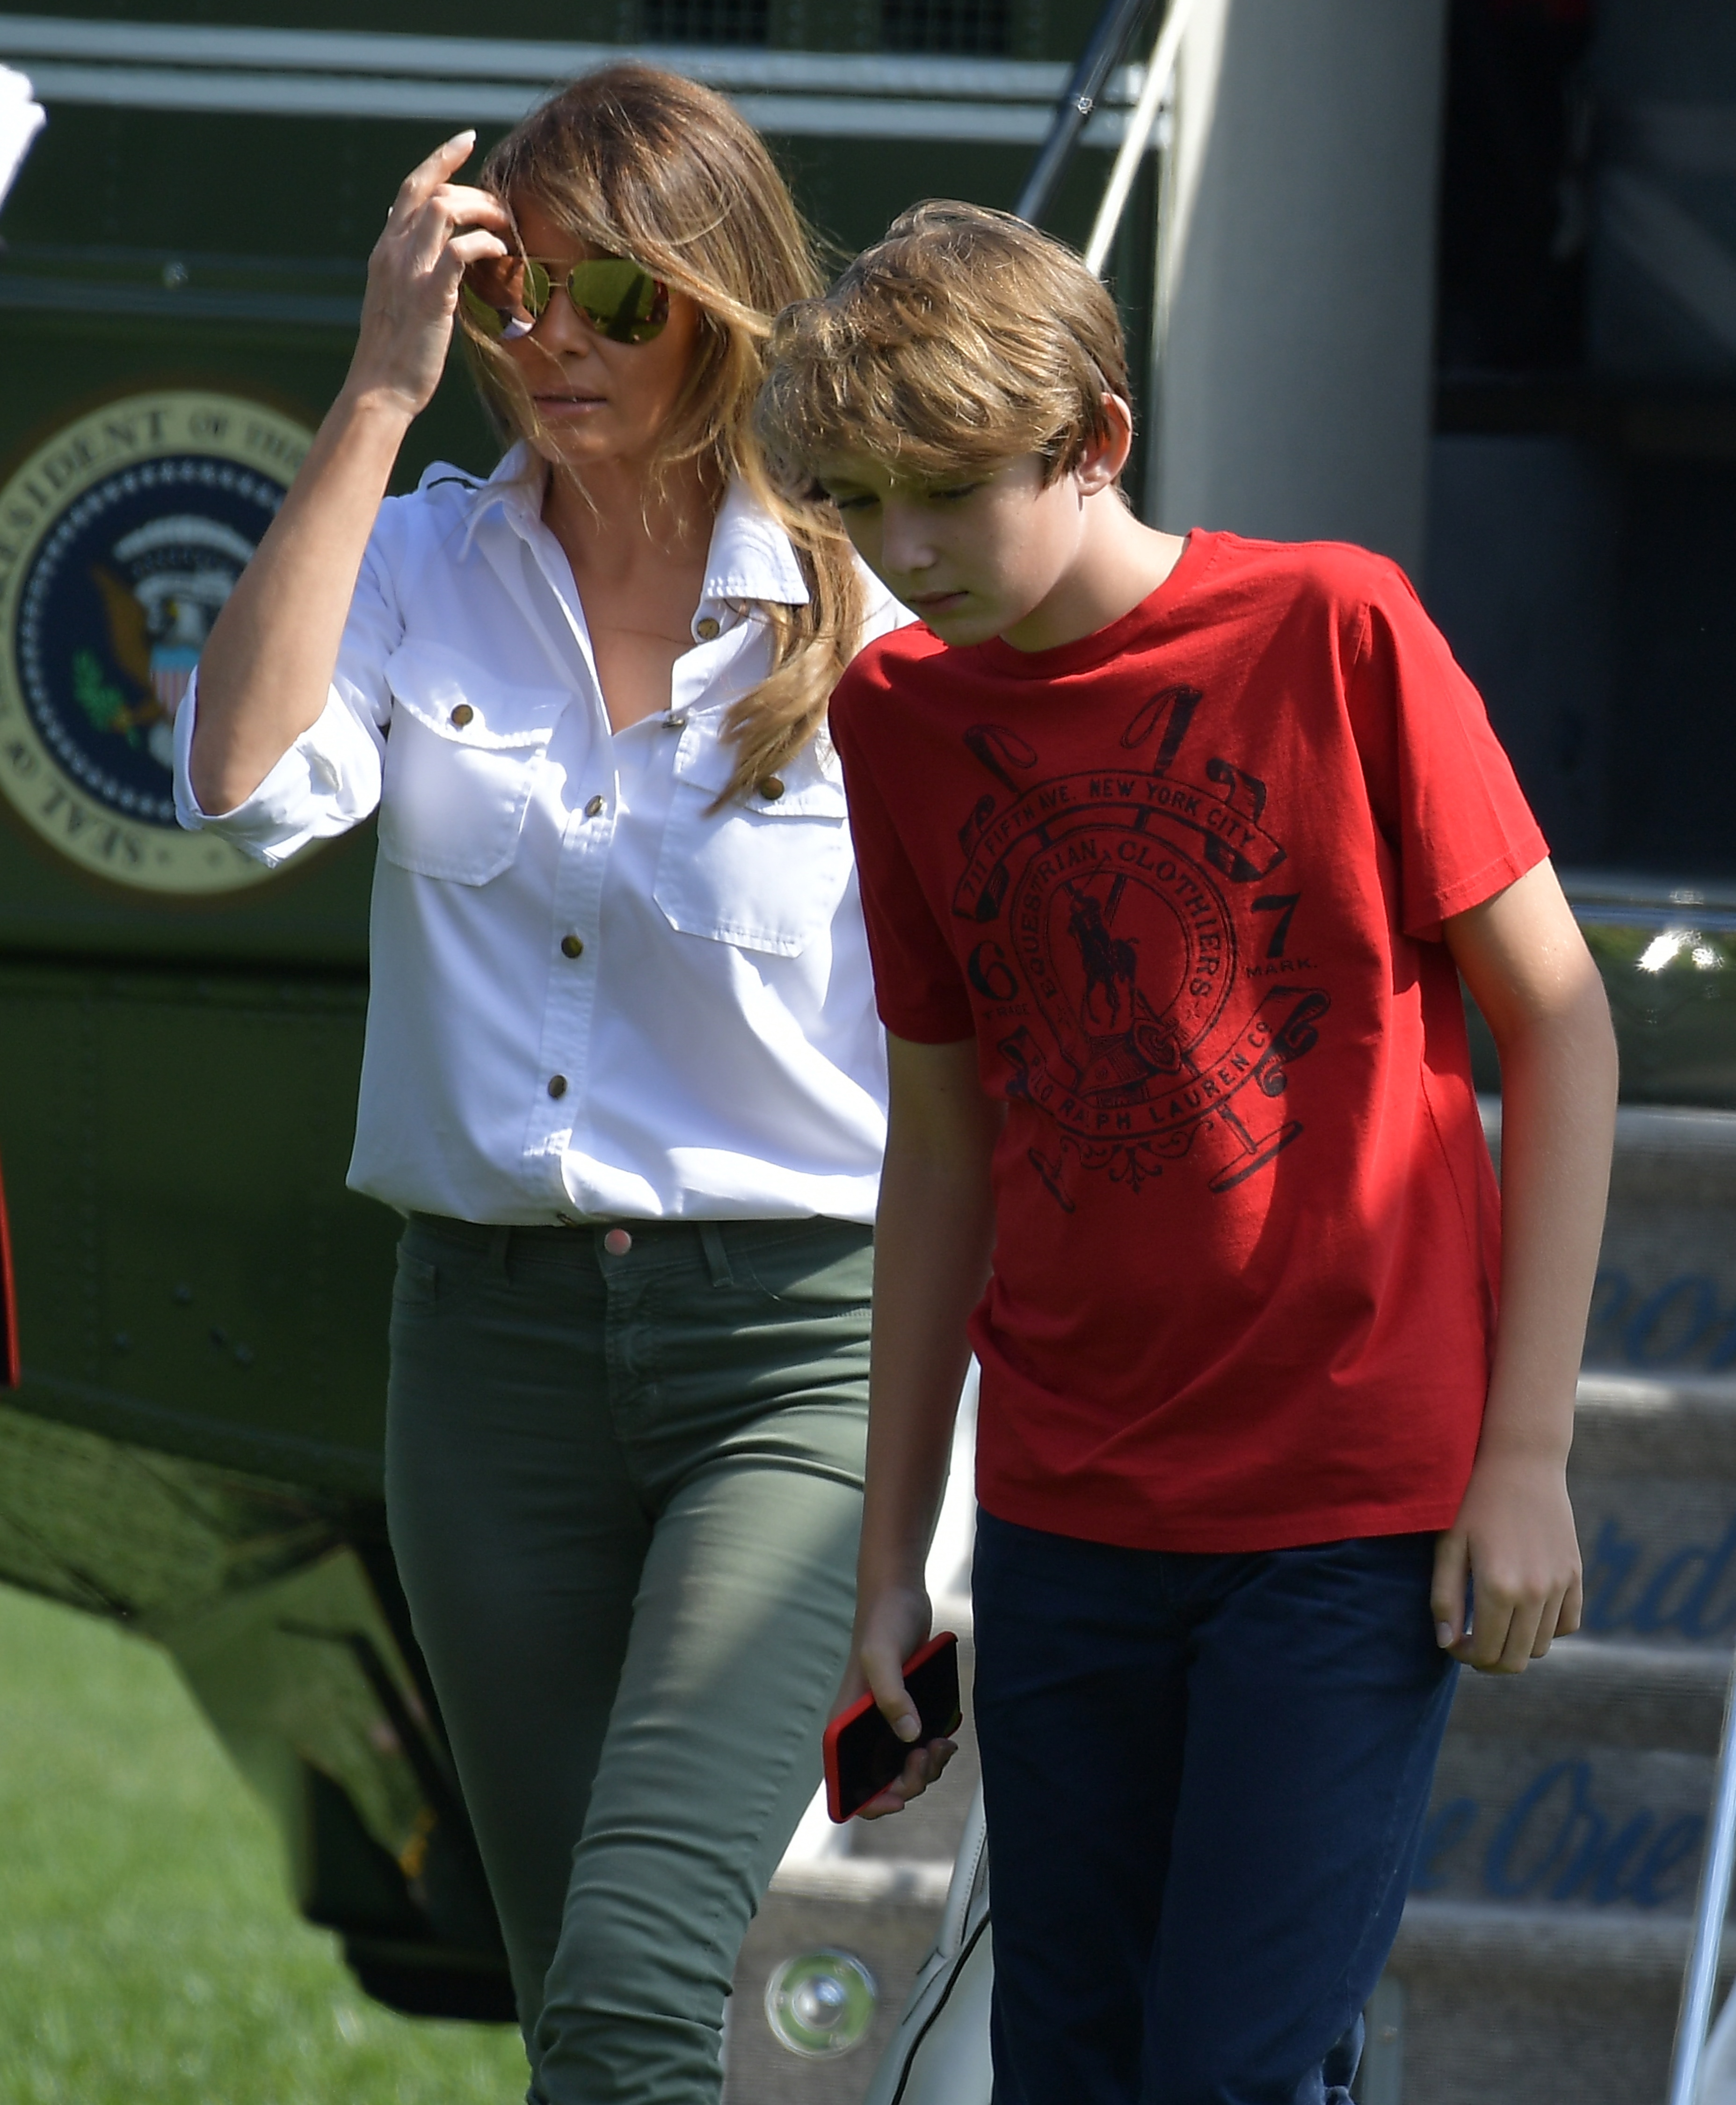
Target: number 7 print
<point>1284,904</point>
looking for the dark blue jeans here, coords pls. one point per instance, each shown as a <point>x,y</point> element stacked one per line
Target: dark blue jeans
<point>1205,1778</point>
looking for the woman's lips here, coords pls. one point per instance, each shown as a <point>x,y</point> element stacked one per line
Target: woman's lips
<point>927,603</point>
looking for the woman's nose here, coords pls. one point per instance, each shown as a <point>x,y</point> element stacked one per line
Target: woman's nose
<point>560,327</point>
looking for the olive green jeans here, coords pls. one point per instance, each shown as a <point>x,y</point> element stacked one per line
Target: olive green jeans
<point>625,1488</point>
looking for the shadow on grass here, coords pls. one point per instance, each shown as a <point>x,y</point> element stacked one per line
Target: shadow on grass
<point>148,1946</point>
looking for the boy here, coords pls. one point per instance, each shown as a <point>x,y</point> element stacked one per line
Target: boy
<point>1169,851</point>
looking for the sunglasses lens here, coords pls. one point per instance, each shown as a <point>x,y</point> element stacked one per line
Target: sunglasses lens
<point>504,295</point>
<point>620,300</point>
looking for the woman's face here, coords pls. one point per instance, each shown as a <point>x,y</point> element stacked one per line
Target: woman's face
<point>597,400</point>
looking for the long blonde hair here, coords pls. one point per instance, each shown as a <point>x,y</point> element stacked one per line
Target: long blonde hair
<point>638,162</point>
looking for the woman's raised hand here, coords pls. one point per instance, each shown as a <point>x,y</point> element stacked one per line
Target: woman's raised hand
<point>266,668</point>
<point>434,229</point>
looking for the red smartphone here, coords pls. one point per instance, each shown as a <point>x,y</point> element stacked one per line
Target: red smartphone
<point>863,1753</point>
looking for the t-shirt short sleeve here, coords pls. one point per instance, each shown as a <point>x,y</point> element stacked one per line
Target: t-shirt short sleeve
<point>919,988</point>
<point>1443,792</point>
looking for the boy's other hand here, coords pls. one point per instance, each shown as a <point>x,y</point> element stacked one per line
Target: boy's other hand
<point>1514,1542</point>
<point>1514,1545</point>
<point>888,1628</point>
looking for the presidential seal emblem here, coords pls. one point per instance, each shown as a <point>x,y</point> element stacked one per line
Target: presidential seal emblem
<point>120,539</point>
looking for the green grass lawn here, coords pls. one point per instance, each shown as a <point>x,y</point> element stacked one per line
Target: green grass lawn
<point>149,1954</point>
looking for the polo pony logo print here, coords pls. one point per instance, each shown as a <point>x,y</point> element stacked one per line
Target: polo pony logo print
<point>1136,953</point>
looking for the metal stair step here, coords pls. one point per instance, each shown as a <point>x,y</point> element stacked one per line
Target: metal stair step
<point>1647,1425</point>
<point>1653,1479</point>
<point>1462,1937</point>
<point>1618,1694</point>
<point>1492,2005</point>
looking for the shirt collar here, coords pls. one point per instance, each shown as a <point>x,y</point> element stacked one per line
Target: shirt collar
<point>516,488</point>
<point>751,555</point>
<point>751,558</point>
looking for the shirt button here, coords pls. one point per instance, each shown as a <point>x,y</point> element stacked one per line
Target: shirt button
<point>595,808</point>
<point>572,946</point>
<point>617,1242</point>
<point>557,1085</point>
<point>675,720</point>
<point>771,789</point>
<point>707,628</point>
<point>461,715</point>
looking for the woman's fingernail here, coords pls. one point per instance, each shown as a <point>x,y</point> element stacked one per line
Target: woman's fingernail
<point>1443,1635</point>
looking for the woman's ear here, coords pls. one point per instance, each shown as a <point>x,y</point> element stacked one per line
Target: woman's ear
<point>1106,455</point>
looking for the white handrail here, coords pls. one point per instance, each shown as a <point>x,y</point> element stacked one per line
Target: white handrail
<point>1140,121</point>
<point>1716,1867</point>
<point>966,1868</point>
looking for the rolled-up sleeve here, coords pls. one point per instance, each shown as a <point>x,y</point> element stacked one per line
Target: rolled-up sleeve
<point>329,779</point>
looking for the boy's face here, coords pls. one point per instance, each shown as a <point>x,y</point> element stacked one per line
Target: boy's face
<point>975,557</point>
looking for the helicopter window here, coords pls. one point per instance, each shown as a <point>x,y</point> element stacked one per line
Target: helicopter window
<point>978,27</point>
<point>705,21</point>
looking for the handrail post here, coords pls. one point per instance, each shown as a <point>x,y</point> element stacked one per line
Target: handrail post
<point>1107,41</point>
<point>1701,1981</point>
<point>1141,121</point>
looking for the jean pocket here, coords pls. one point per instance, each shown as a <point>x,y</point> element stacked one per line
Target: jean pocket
<point>824,1266</point>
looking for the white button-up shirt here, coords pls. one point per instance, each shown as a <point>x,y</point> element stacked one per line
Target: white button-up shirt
<point>593,996</point>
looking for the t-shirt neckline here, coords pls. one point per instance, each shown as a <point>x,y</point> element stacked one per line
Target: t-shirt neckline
<point>1085,651</point>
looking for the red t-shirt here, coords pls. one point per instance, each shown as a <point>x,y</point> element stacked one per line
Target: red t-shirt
<point>1183,882</point>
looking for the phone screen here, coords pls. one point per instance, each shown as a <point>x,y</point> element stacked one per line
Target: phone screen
<point>863,1753</point>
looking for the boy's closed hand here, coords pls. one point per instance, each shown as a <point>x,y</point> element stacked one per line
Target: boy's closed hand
<point>889,1627</point>
<point>1515,1545</point>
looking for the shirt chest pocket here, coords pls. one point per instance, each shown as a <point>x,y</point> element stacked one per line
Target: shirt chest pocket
<point>461,763</point>
<point>766,873</point>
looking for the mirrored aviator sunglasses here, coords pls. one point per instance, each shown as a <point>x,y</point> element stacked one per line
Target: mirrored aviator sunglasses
<point>506,295</point>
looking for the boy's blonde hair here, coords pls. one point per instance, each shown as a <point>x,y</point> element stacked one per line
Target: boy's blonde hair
<point>965,339</point>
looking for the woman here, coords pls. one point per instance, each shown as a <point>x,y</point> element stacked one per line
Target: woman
<point>622,1071</point>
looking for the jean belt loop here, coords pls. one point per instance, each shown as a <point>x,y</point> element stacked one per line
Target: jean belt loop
<point>499,1240</point>
<point>717,1256</point>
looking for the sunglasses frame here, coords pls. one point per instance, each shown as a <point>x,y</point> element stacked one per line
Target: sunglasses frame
<point>503,325</point>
